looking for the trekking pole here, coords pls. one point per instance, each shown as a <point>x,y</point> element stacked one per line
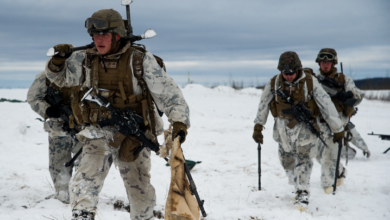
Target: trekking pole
<point>259,164</point>
<point>337,167</point>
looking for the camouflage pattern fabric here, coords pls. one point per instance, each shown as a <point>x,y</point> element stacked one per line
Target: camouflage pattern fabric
<point>298,165</point>
<point>357,94</point>
<point>291,58</point>
<point>328,50</point>
<point>357,140</point>
<point>327,157</point>
<point>36,95</point>
<point>296,144</point>
<point>96,160</point>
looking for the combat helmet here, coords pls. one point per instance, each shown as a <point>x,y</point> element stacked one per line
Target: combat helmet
<point>327,54</point>
<point>289,61</point>
<point>106,21</point>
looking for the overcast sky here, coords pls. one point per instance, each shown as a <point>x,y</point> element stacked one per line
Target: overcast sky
<point>214,40</point>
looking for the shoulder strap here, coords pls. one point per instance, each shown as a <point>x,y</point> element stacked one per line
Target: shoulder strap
<point>309,83</point>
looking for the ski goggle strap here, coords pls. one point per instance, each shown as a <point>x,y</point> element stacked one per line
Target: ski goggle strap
<point>101,24</point>
<point>325,55</point>
<point>287,71</point>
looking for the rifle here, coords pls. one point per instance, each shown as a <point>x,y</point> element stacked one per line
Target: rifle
<point>385,137</point>
<point>331,86</point>
<point>301,113</point>
<point>54,99</point>
<point>149,33</point>
<point>126,121</point>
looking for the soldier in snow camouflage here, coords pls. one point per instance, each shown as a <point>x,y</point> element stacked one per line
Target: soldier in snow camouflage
<point>127,76</point>
<point>295,139</point>
<point>327,59</point>
<point>61,144</point>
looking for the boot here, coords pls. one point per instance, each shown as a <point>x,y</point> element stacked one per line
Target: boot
<point>301,200</point>
<point>82,215</point>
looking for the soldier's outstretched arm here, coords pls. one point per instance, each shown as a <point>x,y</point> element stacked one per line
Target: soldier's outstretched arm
<point>263,110</point>
<point>70,73</point>
<point>327,108</point>
<point>165,92</point>
<point>36,95</point>
<point>350,86</point>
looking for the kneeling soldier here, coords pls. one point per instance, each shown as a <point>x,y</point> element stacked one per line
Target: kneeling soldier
<point>295,138</point>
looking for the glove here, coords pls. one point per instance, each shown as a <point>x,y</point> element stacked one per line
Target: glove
<point>342,96</point>
<point>179,129</point>
<point>257,135</point>
<point>64,51</point>
<point>337,137</point>
<point>53,112</point>
<point>367,153</point>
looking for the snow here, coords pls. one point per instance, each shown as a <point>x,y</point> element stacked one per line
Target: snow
<point>221,137</point>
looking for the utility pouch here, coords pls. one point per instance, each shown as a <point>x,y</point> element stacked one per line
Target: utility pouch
<point>348,110</point>
<point>117,140</point>
<point>272,107</point>
<point>292,123</point>
<point>128,147</point>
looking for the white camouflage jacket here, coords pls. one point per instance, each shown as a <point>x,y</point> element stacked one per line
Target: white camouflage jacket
<point>165,92</point>
<point>357,93</point>
<point>300,135</point>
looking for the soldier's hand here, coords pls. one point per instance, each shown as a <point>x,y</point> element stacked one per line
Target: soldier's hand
<point>179,129</point>
<point>64,51</point>
<point>337,137</point>
<point>257,135</point>
<point>342,95</point>
<point>53,112</point>
<point>367,153</point>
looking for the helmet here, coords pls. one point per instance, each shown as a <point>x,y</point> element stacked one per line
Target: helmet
<point>289,60</point>
<point>327,54</point>
<point>106,21</point>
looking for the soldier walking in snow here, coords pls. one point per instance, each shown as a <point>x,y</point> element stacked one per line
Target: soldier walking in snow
<point>295,138</point>
<point>61,143</point>
<point>127,76</point>
<point>342,93</point>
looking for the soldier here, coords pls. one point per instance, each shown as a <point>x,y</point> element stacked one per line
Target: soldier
<point>127,76</point>
<point>295,139</point>
<point>61,144</point>
<point>344,90</point>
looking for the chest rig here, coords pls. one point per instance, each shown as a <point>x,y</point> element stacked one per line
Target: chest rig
<point>112,77</point>
<point>297,94</point>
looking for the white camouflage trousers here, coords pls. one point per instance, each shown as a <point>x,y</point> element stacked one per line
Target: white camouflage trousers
<point>97,158</point>
<point>298,165</point>
<point>327,157</point>
<point>61,147</point>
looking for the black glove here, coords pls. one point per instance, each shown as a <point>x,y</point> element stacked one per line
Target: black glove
<point>367,153</point>
<point>342,96</point>
<point>53,111</point>
<point>64,51</point>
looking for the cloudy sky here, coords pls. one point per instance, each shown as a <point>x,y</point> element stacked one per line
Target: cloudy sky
<point>215,40</point>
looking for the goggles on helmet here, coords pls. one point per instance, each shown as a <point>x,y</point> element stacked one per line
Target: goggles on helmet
<point>325,55</point>
<point>287,71</point>
<point>101,24</point>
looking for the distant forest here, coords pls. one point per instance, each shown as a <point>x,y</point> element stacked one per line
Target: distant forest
<point>373,83</point>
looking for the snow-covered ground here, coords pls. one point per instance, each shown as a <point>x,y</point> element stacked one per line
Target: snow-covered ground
<point>221,137</point>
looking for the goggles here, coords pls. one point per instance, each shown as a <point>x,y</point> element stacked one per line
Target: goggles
<point>325,55</point>
<point>287,71</point>
<point>101,24</point>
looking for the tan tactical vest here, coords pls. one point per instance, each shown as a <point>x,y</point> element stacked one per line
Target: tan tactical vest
<point>297,95</point>
<point>113,80</point>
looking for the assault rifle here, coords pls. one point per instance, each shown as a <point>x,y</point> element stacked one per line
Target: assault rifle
<point>331,86</point>
<point>66,115</point>
<point>301,113</point>
<point>126,121</point>
<point>385,137</point>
